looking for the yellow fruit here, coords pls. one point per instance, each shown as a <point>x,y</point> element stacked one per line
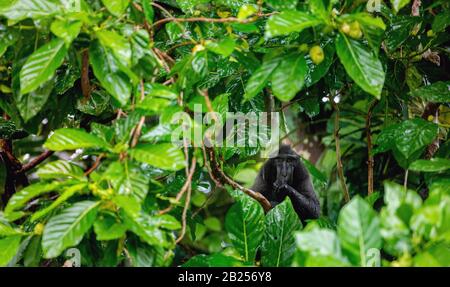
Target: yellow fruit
<point>316,54</point>
<point>345,28</point>
<point>355,30</point>
<point>430,33</point>
<point>39,229</point>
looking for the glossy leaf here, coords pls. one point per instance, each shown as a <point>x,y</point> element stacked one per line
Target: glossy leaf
<point>260,77</point>
<point>68,193</point>
<point>413,135</point>
<point>432,165</point>
<point>70,139</point>
<point>60,169</point>
<point>244,223</point>
<point>8,248</point>
<point>116,7</point>
<point>107,71</point>
<point>107,227</point>
<point>68,228</point>
<point>20,198</point>
<point>278,245</point>
<point>438,92</point>
<point>66,29</point>
<point>359,230</point>
<point>30,104</point>
<point>41,65</point>
<point>164,155</point>
<point>361,65</point>
<point>290,21</point>
<point>289,77</point>
<point>35,9</point>
<point>116,44</point>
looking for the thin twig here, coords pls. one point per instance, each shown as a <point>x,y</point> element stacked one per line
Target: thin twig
<point>34,162</point>
<point>95,165</point>
<point>338,151</point>
<point>138,129</point>
<point>184,188</point>
<point>370,162</point>
<point>85,84</point>
<point>219,174</point>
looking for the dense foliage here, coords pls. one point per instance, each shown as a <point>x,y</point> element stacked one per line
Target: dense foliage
<point>88,88</point>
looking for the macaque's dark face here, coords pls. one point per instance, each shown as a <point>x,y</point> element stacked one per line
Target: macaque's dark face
<point>285,165</point>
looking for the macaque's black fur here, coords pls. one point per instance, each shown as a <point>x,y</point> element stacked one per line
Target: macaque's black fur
<point>285,175</point>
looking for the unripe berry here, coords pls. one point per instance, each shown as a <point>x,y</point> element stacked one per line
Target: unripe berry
<point>345,28</point>
<point>316,54</point>
<point>38,229</point>
<point>355,30</point>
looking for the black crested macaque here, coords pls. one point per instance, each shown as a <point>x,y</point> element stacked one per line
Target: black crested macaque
<point>285,175</point>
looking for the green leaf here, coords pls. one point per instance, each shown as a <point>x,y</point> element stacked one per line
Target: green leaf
<point>9,246</point>
<point>8,230</point>
<point>441,21</point>
<point>70,139</point>
<point>213,260</point>
<point>66,29</point>
<point>35,9</point>
<point>399,4</point>
<point>224,47</point>
<point>20,198</point>
<point>141,224</point>
<point>244,223</point>
<point>361,64</point>
<point>432,165</point>
<point>413,135</point>
<point>399,31</point>
<point>68,193</point>
<point>116,7</point>
<point>117,44</point>
<point>318,247</point>
<point>108,227</point>
<point>290,21</point>
<point>278,245</point>
<point>438,92</point>
<point>260,77</point>
<point>30,104</point>
<point>60,169</point>
<point>164,155</point>
<point>68,228</point>
<point>107,71</point>
<point>359,230</point>
<point>41,65</point>
<point>289,77</point>
<point>148,10</point>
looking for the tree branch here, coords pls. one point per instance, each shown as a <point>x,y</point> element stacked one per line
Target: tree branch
<point>370,162</point>
<point>37,160</point>
<point>213,20</point>
<point>338,151</point>
<point>85,84</point>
